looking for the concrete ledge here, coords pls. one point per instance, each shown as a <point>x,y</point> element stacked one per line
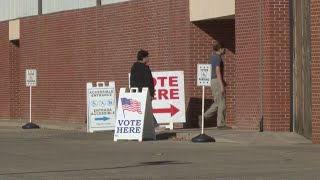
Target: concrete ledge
<point>211,9</point>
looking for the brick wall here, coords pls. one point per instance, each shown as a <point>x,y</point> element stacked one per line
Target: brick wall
<point>62,48</point>
<point>98,44</point>
<point>247,64</point>
<point>277,65</point>
<point>5,71</point>
<point>14,69</point>
<point>263,85</point>
<point>315,42</point>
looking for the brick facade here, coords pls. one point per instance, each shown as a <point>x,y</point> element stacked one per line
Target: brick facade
<point>247,65</point>
<point>71,48</point>
<point>99,44</point>
<point>96,44</point>
<point>5,71</point>
<point>14,68</point>
<point>263,64</point>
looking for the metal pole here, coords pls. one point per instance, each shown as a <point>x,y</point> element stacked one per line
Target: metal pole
<point>292,16</point>
<point>30,102</point>
<point>202,110</point>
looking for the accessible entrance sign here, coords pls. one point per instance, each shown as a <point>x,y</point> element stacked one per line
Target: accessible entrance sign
<point>31,77</point>
<point>204,74</point>
<point>101,107</point>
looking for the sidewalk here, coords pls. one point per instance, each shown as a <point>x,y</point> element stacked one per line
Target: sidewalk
<point>244,137</point>
<point>221,136</point>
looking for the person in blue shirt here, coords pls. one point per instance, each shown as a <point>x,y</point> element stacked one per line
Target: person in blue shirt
<point>218,89</point>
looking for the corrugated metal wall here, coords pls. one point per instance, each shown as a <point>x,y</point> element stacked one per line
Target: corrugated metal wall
<point>50,6</point>
<point>13,9</point>
<point>111,1</point>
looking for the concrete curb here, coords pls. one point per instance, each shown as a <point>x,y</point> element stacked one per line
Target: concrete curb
<point>46,125</point>
<point>245,137</point>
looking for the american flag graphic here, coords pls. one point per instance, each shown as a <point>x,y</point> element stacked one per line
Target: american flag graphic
<point>131,105</point>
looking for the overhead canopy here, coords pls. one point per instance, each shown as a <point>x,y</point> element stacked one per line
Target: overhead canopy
<point>211,9</point>
<point>14,30</point>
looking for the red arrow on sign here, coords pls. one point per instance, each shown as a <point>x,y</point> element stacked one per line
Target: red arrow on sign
<point>173,110</point>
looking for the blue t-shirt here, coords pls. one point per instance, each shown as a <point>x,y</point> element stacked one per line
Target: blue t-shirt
<point>215,61</point>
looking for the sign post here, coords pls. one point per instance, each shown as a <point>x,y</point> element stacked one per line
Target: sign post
<point>203,79</point>
<point>101,106</point>
<point>31,81</point>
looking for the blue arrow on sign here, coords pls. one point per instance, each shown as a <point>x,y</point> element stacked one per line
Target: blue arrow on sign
<point>102,119</point>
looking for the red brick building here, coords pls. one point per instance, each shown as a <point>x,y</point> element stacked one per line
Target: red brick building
<point>270,67</point>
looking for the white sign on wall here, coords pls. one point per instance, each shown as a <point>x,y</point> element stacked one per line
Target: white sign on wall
<point>31,77</point>
<point>204,75</point>
<point>134,117</point>
<point>101,107</point>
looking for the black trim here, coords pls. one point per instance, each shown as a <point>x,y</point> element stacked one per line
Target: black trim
<point>39,7</point>
<point>16,42</point>
<point>291,62</point>
<point>98,2</point>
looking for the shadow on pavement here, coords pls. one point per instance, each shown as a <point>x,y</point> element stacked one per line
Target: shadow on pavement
<point>152,163</point>
<point>166,135</point>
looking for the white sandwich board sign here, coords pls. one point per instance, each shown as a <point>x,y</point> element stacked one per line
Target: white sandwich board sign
<point>101,107</point>
<point>134,117</point>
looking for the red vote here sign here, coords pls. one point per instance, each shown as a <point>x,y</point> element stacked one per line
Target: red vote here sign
<point>169,100</point>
